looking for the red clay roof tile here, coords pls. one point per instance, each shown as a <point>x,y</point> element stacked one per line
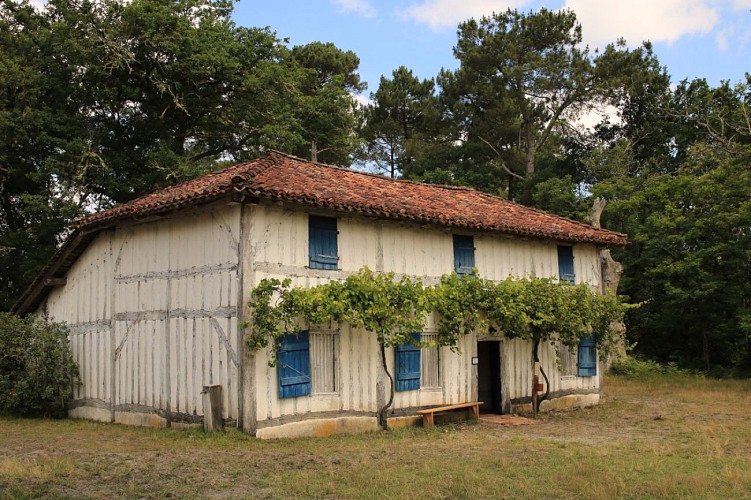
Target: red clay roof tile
<point>281,177</point>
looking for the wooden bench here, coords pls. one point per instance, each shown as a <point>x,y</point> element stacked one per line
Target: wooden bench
<point>473,411</point>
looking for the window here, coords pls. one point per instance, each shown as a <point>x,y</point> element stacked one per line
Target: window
<point>324,348</point>
<point>293,365</point>
<point>429,362</point>
<point>566,264</point>
<point>464,254</point>
<point>568,361</point>
<point>587,357</point>
<point>322,243</point>
<point>408,366</point>
<point>417,367</point>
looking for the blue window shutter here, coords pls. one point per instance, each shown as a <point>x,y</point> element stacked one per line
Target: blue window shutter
<point>587,357</point>
<point>322,241</point>
<point>566,264</point>
<point>408,366</point>
<point>464,254</point>
<point>293,365</point>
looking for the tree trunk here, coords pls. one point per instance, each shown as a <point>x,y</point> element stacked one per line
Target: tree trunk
<point>535,379</point>
<point>313,151</point>
<point>611,271</point>
<point>597,209</point>
<point>383,411</point>
<point>530,163</point>
<point>705,349</point>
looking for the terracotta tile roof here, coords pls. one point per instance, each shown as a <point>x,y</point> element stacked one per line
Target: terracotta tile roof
<point>282,177</point>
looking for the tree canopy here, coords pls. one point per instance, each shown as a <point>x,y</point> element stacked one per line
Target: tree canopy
<point>103,101</point>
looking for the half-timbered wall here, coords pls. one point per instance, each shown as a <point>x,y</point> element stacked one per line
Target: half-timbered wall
<point>277,242</point>
<point>152,310</point>
<point>85,304</point>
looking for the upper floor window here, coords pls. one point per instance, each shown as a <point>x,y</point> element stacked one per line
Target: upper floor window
<point>464,254</point>
<point>322,242</point>
<point>566,264</point>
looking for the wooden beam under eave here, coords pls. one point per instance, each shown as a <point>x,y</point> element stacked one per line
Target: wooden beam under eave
<point>55,281</point>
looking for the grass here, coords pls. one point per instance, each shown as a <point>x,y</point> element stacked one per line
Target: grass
<point>655,436</point>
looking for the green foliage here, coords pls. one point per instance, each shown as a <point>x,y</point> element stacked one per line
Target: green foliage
<point>391,309</point>
<point>400,123</point>
<point>535,309</point>
<point>457,300</point>
<point>640,369</point>
<point>375,302</point>
<point>557,195</point>
<point>37,371</point>
<point>542,310</point>
<point>105,101</point>
<point>522,82</point>
<point>326,110</point>
<point>690,260</point>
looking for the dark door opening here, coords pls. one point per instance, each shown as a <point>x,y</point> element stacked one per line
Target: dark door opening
<point>489,375</point>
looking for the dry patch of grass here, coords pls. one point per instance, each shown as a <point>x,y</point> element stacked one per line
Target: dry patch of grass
<point>668,436</point>
<point>34,469</point>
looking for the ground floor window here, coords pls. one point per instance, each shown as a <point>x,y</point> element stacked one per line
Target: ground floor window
<point>587,357</point>
<point>324,358</point>
<point>293,364</point>
<point>568,361</point>
<point>417,367</point>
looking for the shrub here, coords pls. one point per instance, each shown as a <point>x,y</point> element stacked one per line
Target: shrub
<point>37,371</point>
<point>636,368</point>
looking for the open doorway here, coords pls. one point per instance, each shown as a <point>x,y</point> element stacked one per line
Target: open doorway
<point>489,375</point>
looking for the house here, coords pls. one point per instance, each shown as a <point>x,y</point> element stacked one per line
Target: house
<point>154,292</point>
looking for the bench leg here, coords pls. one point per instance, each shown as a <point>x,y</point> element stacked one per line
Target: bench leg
<point>474,412</point>
<point>427,420</point>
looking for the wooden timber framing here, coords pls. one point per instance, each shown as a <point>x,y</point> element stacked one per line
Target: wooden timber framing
<point>153,313</point>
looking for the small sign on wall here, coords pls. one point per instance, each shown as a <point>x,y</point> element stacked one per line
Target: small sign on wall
<point>475,360</point>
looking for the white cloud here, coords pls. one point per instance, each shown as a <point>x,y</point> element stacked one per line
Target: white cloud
<point>439,14</point>
<point>594,116</point>
<point>640,20</point>
<point>360,7</point>
<point>722,40</point>
<point>38,4</point>
<point>361,100</point>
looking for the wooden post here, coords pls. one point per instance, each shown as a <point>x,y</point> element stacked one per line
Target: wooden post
<point>212,408</point>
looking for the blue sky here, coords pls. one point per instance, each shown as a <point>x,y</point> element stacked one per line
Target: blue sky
<point>692,38</point>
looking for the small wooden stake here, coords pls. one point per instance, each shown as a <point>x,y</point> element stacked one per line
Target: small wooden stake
<point>212,408</point>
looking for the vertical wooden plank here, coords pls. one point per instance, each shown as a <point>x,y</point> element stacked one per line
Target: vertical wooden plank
<point>224,366</point>
<point>187,379</point>
<point>99,364</point>
<point>86,362</point>
<point>128,354</point>
<point>178,370</point>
